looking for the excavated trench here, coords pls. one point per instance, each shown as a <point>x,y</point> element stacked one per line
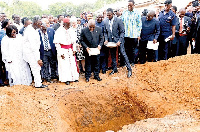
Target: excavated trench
<point>101,112</point>
<point>154,91</point>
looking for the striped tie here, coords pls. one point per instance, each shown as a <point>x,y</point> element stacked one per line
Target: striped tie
<point>46,42</point>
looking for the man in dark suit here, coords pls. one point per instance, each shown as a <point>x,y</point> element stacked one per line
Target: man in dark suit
<point>91,37</point>
<point>182,30</point>
<point>150,32</point>
<point>114,32</point>
<point>48,52</point>
<point>57,25</point>
<point>25,22</point>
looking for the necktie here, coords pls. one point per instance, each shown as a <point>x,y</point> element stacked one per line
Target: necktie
<point>45,42</point>
<point>110,23</point>
<point>181,26</point>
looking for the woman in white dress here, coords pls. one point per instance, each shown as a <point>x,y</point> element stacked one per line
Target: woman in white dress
<point>11,48</point>
<point>65,40</point>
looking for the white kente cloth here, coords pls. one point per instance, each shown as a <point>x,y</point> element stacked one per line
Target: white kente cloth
<point>18,69</point>
<point>65,41</point>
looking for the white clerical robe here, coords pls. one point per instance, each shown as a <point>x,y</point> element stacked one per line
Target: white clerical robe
<point>31,53</point>
<point>67,67</point>
<point>12,55</point>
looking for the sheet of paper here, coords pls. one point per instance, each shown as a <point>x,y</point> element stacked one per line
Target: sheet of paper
<point>111,44</point>
<point>151,45</point>
<point>94,51</point>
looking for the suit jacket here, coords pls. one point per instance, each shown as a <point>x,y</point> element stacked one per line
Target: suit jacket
<point>21,31</point>
<point>117,33</point>
<point>56,26</point>
<point>87,40</point>
<point>187,21</point>
<point>50,32</point>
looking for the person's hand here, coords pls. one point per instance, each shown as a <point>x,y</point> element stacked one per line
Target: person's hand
<point>74,52</point>
<point>193,39</point>
<point>99,47</point>
<point>62,56</point>
<point>106,42</point>
<point>188,29</point>
<point>88,49</point>
<point>118,43</point>
<point>10,62</point>
<point>139,38</point>
<point>40,62</point>
<point>172,38</point>
<point>154,41</point>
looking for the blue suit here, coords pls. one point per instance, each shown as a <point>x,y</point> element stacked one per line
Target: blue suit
<point>48,56</point>
<point>21,31</point>
<point>117,35</point>
<point>166,22</point>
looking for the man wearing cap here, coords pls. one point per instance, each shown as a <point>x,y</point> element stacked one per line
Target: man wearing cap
<point>167,29</point>
<point>65,41</point>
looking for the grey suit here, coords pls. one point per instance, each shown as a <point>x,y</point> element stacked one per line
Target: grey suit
<point>117,35</point>
<point>91,41</point>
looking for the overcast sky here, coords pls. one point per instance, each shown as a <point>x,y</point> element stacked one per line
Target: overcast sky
<point>44,3</point>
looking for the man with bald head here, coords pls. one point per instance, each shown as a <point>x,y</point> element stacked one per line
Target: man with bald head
<point>182,30</point>
<point>150,32</point>
<point>91,37</point>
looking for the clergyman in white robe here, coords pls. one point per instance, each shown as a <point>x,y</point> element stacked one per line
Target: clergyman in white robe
<point>65,41</point>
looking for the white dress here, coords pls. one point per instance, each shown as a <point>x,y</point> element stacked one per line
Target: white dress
<point>67,68</point>
<point>18,70</point>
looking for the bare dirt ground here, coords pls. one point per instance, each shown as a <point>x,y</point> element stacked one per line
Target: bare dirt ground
<point>154,91</point>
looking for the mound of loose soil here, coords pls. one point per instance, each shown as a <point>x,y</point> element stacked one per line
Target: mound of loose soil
<point>154,91</point>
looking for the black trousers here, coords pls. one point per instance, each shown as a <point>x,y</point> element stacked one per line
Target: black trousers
<point>123,55</point>
<point>144,51</point>
<point>130,46</point>
<point>163,48</point>
<point>49,60</point>
<point>92,62</point>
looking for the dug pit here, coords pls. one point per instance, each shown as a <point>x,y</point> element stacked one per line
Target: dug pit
<point>154,91</point>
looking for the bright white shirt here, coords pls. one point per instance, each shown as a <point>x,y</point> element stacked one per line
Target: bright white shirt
<point>32,43</point>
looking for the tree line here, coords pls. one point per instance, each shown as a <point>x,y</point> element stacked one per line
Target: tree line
<point>30,9</point>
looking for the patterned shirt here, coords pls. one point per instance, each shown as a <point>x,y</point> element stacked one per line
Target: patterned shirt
<point>132,23</point>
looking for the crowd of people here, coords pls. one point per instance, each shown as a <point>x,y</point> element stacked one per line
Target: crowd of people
<point>60,48</point>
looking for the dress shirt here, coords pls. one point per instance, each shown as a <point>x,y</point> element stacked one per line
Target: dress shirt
<point>167,20</point>
<point>47,40</point>
<point>132,23</point>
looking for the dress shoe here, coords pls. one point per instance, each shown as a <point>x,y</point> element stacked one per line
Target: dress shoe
<point>132,64</point>
<point>76,81</point>
<point>87,80</point>
<point>104,72</point>
<point>42,86</point>
<point>129,74</point>
<point>67,83</point>
<point>48,80</point>
<point>97,78</point>
<point>113,72</point>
